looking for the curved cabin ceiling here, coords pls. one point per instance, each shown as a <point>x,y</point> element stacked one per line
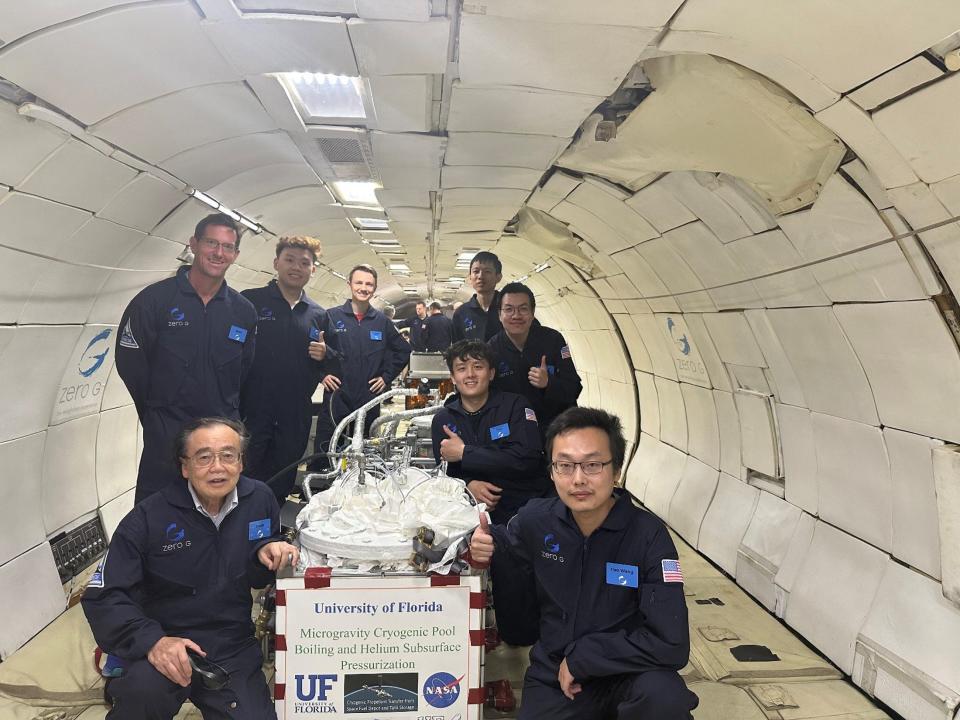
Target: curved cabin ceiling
<point>741,214</point>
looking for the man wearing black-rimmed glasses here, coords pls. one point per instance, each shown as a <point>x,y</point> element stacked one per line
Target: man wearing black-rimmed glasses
<point>176,581</point>
<point>613,620</point>
<point>184,347</point>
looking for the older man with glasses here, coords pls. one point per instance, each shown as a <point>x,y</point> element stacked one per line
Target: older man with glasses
<point>171,598</point>
<point>184,347</point>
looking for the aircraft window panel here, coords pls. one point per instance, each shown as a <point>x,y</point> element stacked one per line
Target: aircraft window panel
<point>911,362</point>
<point>611,209</point>
<point>772,251</point>
<point>703,431</point>
<point>410,10</point>
<point>69,487</point>
<point>661,356</point>
<point>799,457</point>
<point>726,520</point>
<point>764,546</point>
<point>830,374</point>
<point>96,79</point>
<point>788,387</point>
<point>733,339</point>
<point>691,499</point>
<point>663,481</point>
<point>676,275</point>
<point>387,47</point>
<point>114,511</point>
<point>518,110</point>
<point>116,457</point>
<point>728,421</point>
<point>914,500</point>
<point>142,203</point>
<point>20,505</point>
<point>402,103</point>
<point>23,144</point>
<point>501,51</point>
<point>31,597</point>
<point>693,189</point>
<point>648,14</point>
<point>673,416</point>
<point>649,404</point>
<point>481,148</point>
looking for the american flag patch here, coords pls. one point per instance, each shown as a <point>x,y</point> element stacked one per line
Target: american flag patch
<point>565,352</point>
<point>530,414</point>
<point>671,571</point>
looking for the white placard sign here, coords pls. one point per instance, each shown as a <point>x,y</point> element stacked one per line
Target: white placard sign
<point>393,652</point>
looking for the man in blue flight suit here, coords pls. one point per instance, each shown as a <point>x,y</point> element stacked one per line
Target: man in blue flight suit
<point>185,346</point>
<point>531,359</point>
<point>417,323</point>
<point>177,578</point>
<point>613,627</point>
<point>477,319</point>
<point>439,330</point>
<point>370,352</point>
<point>291,348</point>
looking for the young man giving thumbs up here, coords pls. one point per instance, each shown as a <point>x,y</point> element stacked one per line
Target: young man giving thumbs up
<point>531,359</point>
<point>291,357</point>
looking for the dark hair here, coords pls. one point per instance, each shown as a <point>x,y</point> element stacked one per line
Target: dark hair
<point>303,242</point>
<point>577,418</point>
<point>420,302</point>
<point>220,220</point>
<point>191,426</point>
<point>484,256</point>
<point>363,268</point>
<point>517,288</point>
<point>435,305</point>
<point>468,349</point>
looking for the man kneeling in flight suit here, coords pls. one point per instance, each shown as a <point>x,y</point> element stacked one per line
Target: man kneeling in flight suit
<point>613,627</point>
<point>177,578</point>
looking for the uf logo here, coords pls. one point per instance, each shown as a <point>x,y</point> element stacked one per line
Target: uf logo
<point>319,686</point>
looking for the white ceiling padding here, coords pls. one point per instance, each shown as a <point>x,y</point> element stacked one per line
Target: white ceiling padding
<point>142,203</point>
<point>479,197</point>
<point>770,252</point>
<point>517,110</point>
<point>390,197</point>
<point>799,457</point>
<point>410,178</point>
<point>853,479</point>
<point>412,10</point>
<point>673,417</point>
<point>24,143</point>
<point>649,404</point>
<point>96,79</point>
<point>726,521</point>
<point>78,175</point>
<point>386,47</point>
<point>728,420</point>
<point>671,268</point>
<point>913,630</point>
<point>868,183</point>
<point>486,148</point>
<point>119,289</point>
<point>453,213</point>
<point>259,182</point>
<point>116,456</point>
<point>402,103</point>
<point>616,12</point>
<point>830,374</point>
<point>788,387</point>
<point>701,341</point>
<point>692,498</point>
<point>407,150</point>
<point>590,227</point>
<point>914,500</point>
<point>815,35</point>
<point>948,192</point>
<point>168,125</point>
<point>503,51</point>
<point>658,204</point>
<point>764,546</point>
<point>733,338</point>
<point>703,439</point>
<point>480,176</point>
<point>257,44</point>
<point>709,114</point>
<point>557,187</point>
<point>39,14</point>
<point>292,207</point>
<point>69,471</point>
<point>745,202</point>
<point>643,277</point>
<point>857,129</point>
<point>209,165</point>
<point>607,202</point>
<point>114,511</point>
<point>912,364</point>
<point>898,81</point>
<point>662,482</point>
<point>20,508</point>
<point>640,358</point>
<point>698,191</point>
<point>920,127</point>
<point>759,446</point>
<point>31,596</point>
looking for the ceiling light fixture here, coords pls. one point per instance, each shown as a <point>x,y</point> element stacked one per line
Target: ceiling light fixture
<point>359,192</point>
<point>541,267</point>
<point>365,223</point>
<point>327,96</point>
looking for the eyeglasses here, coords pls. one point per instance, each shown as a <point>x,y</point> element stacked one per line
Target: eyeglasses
<point>211,675</point>
<point>205,458</point>
<point>211,244</point>
<point>509,310</point>
<point>591,467</point>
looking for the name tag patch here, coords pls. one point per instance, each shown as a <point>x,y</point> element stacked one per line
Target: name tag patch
<point>259,529</point>
<point>499,431</point>
<point>376,335</point>
<point>314,334</point>
<point>237,333</point>
<point>623,575</point>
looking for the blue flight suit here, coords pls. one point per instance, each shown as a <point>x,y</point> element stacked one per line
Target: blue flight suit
<point>472,322</point>
<point>417,327</point>
<point>169,571</point>
<point>365,349</point>
<point>611,604</point>
<point>275,401</point>
<point>438,333</point>
<point>563,386</point>
<point>182,360</point>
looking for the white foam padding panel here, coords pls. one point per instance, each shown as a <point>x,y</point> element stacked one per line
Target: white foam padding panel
<point>833,592</point>
<point>788,387</point>
<point>660,354</point>
<point>152,253</point>
<point>20,506</point>
<point>266,180</point>
<point>703,433</point>
<point>792,561</point>
<point>726,521</point>
<point>799,449</point>
<point>664,476</point>
<point>692,498</point>
<point>480,148</point>
<point>645,279</point>
<point>24,144</point>
<point>69,472</point>
<point>907,652</point>
<point>387,47</point>
<point>673,416</point>
<point>701,340</point>
<point>114,511</point>
<point>695,190</point>
<point>830,374</point>
<point>764,546</point>
<point>660,206</point>
<point>770,252</point>
<point>649,404</point>
<point>31,596</point>
<point>649,14</point>
<point>116,456</point>
<point>16,23</point>
<point>402,102</point>
<point>636,348</point>
<point>607,202</point>
<point>759,443</point>
<point>411,10</point>
<point>912,364</point>
<point>684,349</point>
<point>728,421</point>
<point>899,81</point>
<point>676,275</point>
<point>733,339</point>
<point>142,203</point>
<point>946,473</point>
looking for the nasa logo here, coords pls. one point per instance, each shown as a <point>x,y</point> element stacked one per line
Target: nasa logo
<point>90,362</point>
<point>441,689</point>
<point>551,548</point>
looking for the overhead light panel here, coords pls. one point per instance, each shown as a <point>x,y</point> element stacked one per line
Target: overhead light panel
<point>370,223</point>
<point>540,268</point>
<point>327,97</point>
<point>399,267</point>
<point>206,199</point>
<point>337,274</point>
<point>356,192</point>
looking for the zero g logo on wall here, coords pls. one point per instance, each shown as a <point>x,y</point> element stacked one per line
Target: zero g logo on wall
<point>95,353</point>
<point>686,358</point>
<point>441,689</point>
<point>85,375</point>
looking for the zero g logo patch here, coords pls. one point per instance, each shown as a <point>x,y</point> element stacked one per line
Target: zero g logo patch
<point>90,360</point>
<point>503,369</point>
<point>176,538</point>
<point>442,689</point>
<point>551,548</point>
<point>266,314</point>
<point>177,316</point>
<point>468,324</point>
<point>339,326</point>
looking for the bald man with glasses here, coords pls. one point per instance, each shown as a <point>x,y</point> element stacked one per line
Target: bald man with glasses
<point>185,346</point>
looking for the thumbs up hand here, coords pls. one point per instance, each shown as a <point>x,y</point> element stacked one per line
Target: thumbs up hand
<point>539,376</point>
<point>481,544</point>
<point>318,349</point>
<point>451,448</point>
